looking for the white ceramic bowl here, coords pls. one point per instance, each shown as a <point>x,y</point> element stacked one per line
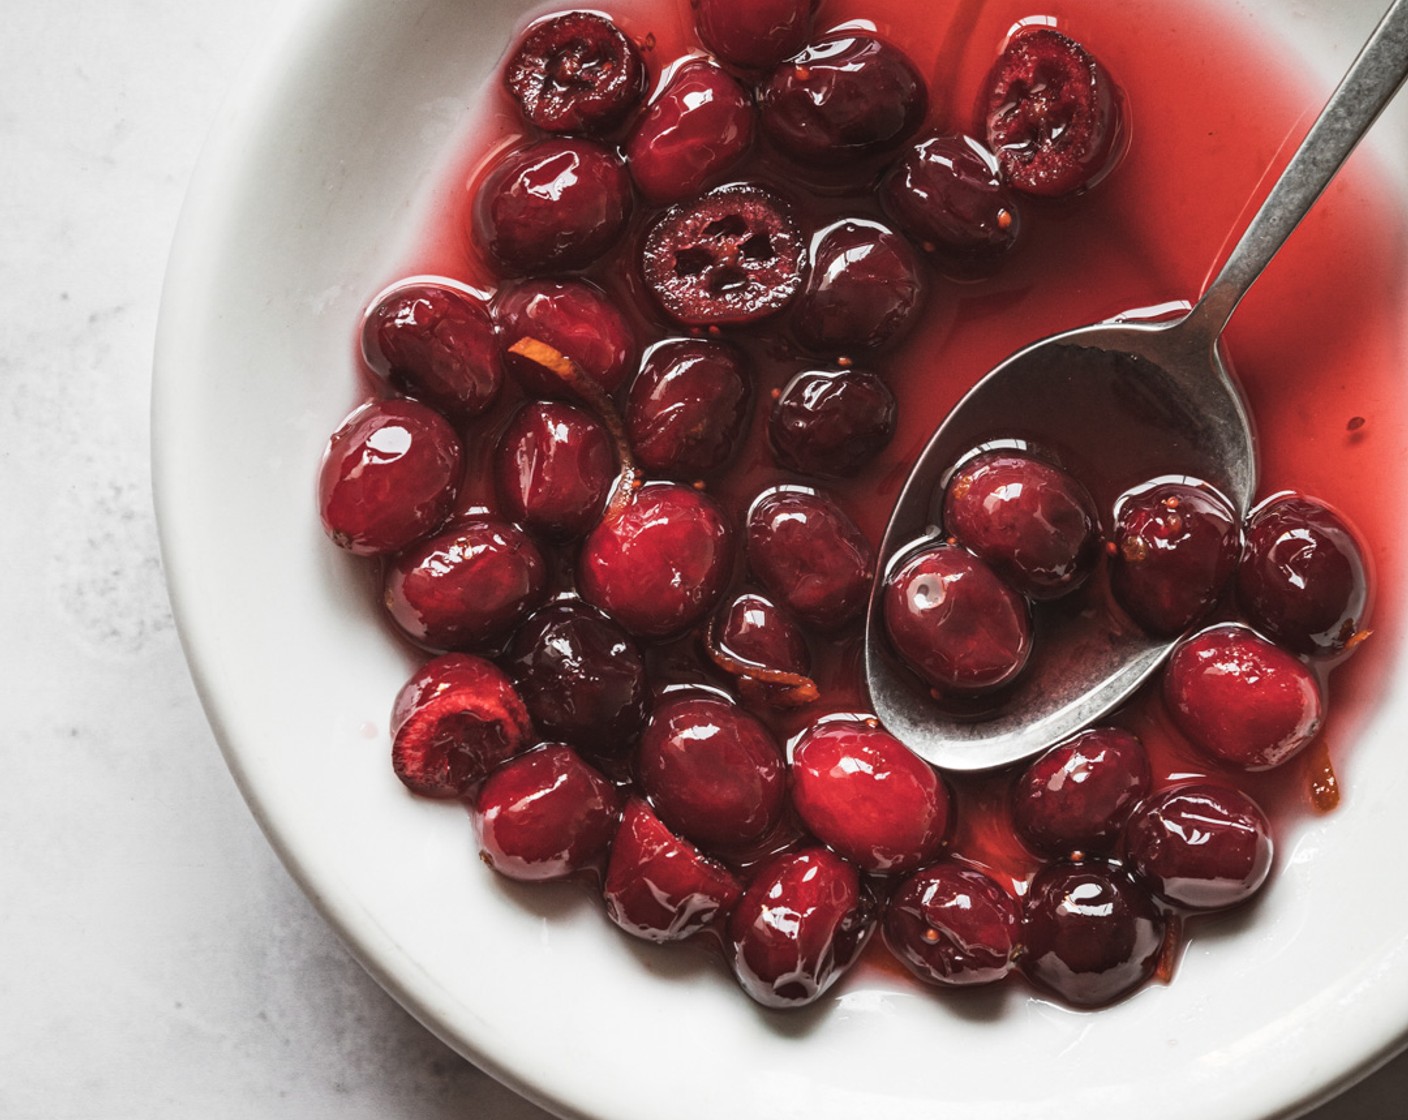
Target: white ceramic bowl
<point>317,176</point>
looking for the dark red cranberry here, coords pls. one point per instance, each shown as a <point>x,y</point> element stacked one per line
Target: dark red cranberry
<point>575,318</point>
<point>552,205</point>
<point>955,623</point>
<point>1076,797</point>
<point>809,555</point>
<point>865,288</point>
<point>1242,700</point>
<point>554,467</point>
<point>1091,934</point>
<point>753,35</point>
<point>389,477</point>
<point>576,73</point>
<point>467,587</point>
<point>1176,549</point>
<point>950,924</point>
<point>1203,846</point>
<point>1302,579</point>
<point>700,126</point>
<point>660,887</point>
<point>687,407</point>
<point>831,424</point>
<point>736,255</point>
<point>545,815</point>
<point>436,343</point>
<point>801,924</point>
<point>1053,114</point>
<point>455,720</point>
<point>754,631</point>
<point>865,794</point>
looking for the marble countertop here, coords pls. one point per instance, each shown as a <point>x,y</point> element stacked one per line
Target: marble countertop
<point>158,962</point>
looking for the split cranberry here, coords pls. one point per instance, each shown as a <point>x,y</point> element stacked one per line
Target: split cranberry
<point>831,424</point>
<point>455,720</point>
<point>389,477</point>
<point>575,318</point>
<point>950,924</point>
<point>576,73</point>
<point>864,290</point>
<point>1242,700</point>
<point>756,34</point>
<point>687,407</point>
<point>753,630</point>
<point>554,467</point>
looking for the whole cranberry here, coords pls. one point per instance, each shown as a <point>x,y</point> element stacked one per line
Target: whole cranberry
<point>687,407</point>
<point>575,318</point>
<point>754,631</point>
<point>951,925</point>
<point>554,467</point>
<point>831,424</point>
<point>755,35</point>
<point>1077,796</point>
<point>865,288</point>
<point>576,72</point>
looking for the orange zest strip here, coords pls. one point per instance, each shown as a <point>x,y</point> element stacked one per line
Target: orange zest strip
<point>799,690</point>
<point>1170,950</point>
<point>1324,785</point>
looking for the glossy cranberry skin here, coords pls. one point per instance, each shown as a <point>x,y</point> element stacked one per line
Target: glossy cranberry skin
<point>1077,796</point>
<point>753,35</point>
<point>869,797</point>
<point>575,318</point>
<point>809,556</point>
<point>951,925</point>
<point>1091,933</point>
<point>955,623</point>
<point>687,407</point>
<point>1203,845</point>
<point>389,476</point>
<point>467,587</point>
<point>801,924</point>
<point>660,565</point>
<point>576,73</point>
<point>831,424</point>
<point>545,815</point>
<point>1241,700</point>
<point>1302,580</point>
<point>552,205</point>
<point>864,290</point>
<point>701,125</point>
<point>554,466</point>
<point>754,630</point>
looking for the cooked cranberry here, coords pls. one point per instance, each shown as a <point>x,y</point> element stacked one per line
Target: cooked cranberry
<point>455,720</point>
<point>1240,699</point>
<point>756,34</point>
<point>545,814</point>
<point>865,288</point>
<point>801,924</point>
<point>554,467</point>
<point>1091,933</point>
<point>661,564</point>
<point>1201,845</point>
<point>552,204</point>
<point>660,887</point>
<point>466,587</point>
<point>1302,578</point>
<point>389,477</point>
<point>573,317</point>
<point>955,623</point>
<point>756,634</point>
<point>1052,114</point>
<point>952,925</point>
<point>1033,523</point>
<point>687,407</point>
<point>576,73</point>
<point>865,794</point>
<point>436,343</point>
<point>1176,549</point>
<point>736,255</point>
<point>809,555</point>
<point>831,424</point>
<point>699,127</point>
<point>1077,796</point>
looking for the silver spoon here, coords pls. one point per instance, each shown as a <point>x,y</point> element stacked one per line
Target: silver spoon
<point>1141,400</point>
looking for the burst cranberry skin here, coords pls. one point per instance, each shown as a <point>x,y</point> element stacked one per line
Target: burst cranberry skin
<point>755,35</point>
<point>389,476</point>
<point>467,587</point>
<point>1241,700</point>
<point>754,629</point>
<point>573,317</point>
<point>801,924</point>
<point>809,556</point>
<point>864,290</point>
<point>701,125</point>
<point>869,797</point>
<point>831,424</point>
<point>1077,796</point>
<point>576,72</point>
<point>552,205</point>
<point>953,926</point>
<point>554,466</point>
<point>687,407</point>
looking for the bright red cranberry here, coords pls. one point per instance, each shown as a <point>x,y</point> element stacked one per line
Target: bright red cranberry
<point>754,631</point>
<point>1076,797</point>
<point>1203,846</point>
<point>552,205</point>
<point>576,73</point>
<point>467,587</point>
<point>1242,700</point>
<point>802,923</point>
<point>809,555</point>
<point>951,925</point>
<point>455,720</point>
<point>436,343</point>
<point>545,815</point>
<point>753,35</point>
<point>389,477</point>
<point>955,623</point>
<point>831,424</point>
<point>576,319</point>
<point>700,126</point>
<point>1176,549</point>
<point>554,466</point>
<point>865,794</point>
<point>1302,579</point>
<point>1091,933</point>
<point>660,887</point>
<point>864,290</point>
<point>736,255</point>
<point>1053,114</point>
<point>687,407</point>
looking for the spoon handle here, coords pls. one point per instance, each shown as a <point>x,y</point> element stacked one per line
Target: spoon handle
<point>1354,106</point>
